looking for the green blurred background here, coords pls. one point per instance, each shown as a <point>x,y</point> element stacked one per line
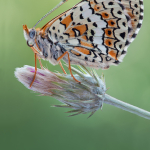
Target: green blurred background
<point>27,122</point>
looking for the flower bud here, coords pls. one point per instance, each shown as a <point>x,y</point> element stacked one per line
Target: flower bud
<point>84,97</point>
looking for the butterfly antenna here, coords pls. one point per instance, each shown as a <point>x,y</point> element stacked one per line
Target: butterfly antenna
<point>62,2</point>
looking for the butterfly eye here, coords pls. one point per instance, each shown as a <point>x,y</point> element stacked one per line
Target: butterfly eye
<point>32,34</point>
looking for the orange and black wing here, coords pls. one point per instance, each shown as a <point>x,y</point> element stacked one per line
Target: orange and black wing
<point>98,32</point>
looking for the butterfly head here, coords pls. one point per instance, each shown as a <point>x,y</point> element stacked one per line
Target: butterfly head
<point>30,35</point>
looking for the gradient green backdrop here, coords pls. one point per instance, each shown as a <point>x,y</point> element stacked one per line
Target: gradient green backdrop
<point>27,122</point>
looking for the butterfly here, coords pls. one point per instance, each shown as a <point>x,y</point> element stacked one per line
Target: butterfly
<point>93,33</point>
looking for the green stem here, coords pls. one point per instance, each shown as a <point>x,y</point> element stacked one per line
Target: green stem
<point>127,107</point>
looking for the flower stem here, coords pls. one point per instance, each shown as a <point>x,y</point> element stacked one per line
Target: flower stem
<point>127,107</point>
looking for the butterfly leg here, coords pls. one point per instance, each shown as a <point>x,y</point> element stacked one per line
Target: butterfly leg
<point>35,70</point>
<point>35,55</point>
<point>40,63</point>
<point>69,64</point>
<point>62,67</point>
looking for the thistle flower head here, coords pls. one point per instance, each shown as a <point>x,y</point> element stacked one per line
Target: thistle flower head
<point>84,97</point>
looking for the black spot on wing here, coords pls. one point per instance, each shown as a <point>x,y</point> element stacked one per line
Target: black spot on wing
<point>119,12</point>
<point>120,46</point>
<point>139,25</point>
<point>141,2</point>
<point>92,32</point>
<point>81,16</point>
<point>110,3</point>
<point>88,19</point>
<point>121,6</point>
<point>141,17</point>
<point>123,35</point>
<point>117,62</point>
<point>95,1</point>
<point>94,24</point>
<point>81,9</point>
<point>141,10</point>
<point>86,58</point>
<point>128,18</point>
<point>123,52</point>
<point>129,29</point>
<point>127,43</point>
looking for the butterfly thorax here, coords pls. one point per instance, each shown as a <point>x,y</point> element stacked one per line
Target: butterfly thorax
<point>44,46</point>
